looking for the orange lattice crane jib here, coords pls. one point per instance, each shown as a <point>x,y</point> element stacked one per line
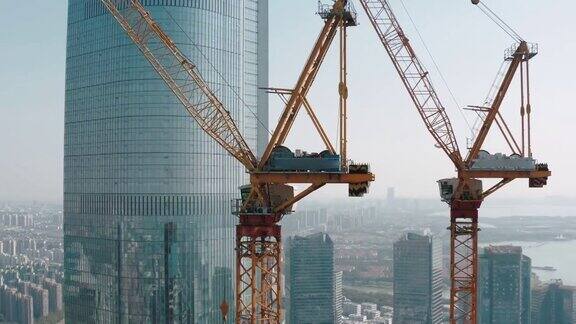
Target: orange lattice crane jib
<point>268,197</point>
<point>464,193</point>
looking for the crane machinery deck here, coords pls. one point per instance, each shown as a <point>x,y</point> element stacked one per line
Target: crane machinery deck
<point>464,193</point>
<point>268,197</point>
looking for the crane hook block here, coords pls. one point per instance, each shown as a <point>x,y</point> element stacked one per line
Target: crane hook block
<point>475,2</point>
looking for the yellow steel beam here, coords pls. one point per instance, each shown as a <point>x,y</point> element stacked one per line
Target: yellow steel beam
<point>304,83</point>
<point>298,197</point>
<point>519,56</point>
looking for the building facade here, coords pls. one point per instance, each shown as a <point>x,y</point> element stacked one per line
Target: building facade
<point>417,280</point>
<point>504,286</point>
<point>315,288</point>
<point>553,302</point>
<point>148,234</point>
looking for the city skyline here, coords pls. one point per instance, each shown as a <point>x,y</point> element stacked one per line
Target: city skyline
<point>44,159</point>
<point>363,245</point>
<point>138,220</point>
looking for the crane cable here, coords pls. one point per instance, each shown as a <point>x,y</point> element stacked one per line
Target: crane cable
<point>436,66</point>
<point>499,21</point>
<point>217,71</point>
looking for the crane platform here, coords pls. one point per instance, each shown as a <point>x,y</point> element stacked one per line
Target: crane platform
<point>505,174</point>
<point>310,177</point>
<point>325,11</point>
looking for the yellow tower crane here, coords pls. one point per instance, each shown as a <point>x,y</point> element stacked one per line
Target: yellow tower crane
<point>268,197</point>
<point>463,193</point>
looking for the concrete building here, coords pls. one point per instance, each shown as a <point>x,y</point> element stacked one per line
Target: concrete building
<point>54,294</point>
<point>504,286</point>
<point>338,296</point>
<point>315,288</point>
<point>553,302</point>
<point>40,300</point>
<point>417,280</point>
<point>9,246</point>
<point>136,164</point>
<point>351,309</point>
<point>26,310</point>
<point>15,306</point>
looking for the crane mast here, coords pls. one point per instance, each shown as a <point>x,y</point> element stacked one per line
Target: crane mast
<point>268,197</point>
<point>464,194</point>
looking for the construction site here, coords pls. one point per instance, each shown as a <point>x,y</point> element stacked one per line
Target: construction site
<point>169,156</point>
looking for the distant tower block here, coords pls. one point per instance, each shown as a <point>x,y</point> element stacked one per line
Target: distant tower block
<point>390,194</point>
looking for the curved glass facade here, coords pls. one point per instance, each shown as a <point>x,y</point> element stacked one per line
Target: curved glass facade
<point>147,227</point>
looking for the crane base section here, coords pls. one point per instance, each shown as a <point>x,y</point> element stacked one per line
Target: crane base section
<point>464,260</point>
<point>258,250</point>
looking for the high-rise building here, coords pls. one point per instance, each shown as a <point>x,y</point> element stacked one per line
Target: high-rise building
<point>338,296</point>
<point>40,300</point>
<point>417,279</point>
<point>553,302</point>
<point>390,194</point>
<point>26,310</point>
<point>54,294</point>
<point>504,286</point>
<point>351,309</point>
<point>148,233</point>
<point>315,288</point>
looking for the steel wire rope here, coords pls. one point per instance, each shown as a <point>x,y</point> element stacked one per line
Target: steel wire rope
<point>217,71</point>
<point>436,66</point>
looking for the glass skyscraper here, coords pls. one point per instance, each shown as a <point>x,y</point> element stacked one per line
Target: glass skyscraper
<point>417,279</point>
<point>148,233</point>
<point>553,302</point>
<point>315,289</point>
<point>504,293</point>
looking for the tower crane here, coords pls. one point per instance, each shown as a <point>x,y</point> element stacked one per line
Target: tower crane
<point>268,197</point>
<point>464,193</point>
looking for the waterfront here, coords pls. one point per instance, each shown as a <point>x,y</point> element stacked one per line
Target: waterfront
<point>557,254</point>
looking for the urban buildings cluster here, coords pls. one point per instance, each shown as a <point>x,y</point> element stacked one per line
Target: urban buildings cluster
<point>31,235</point>
<point>23,301</point>
<point>413,274</point>
<point>31,256</point>
<point>509,292</point>
<point>553,302</point>
<point>355,313</point>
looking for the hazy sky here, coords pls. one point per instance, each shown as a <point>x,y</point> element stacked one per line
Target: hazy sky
<point>384,128</point>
